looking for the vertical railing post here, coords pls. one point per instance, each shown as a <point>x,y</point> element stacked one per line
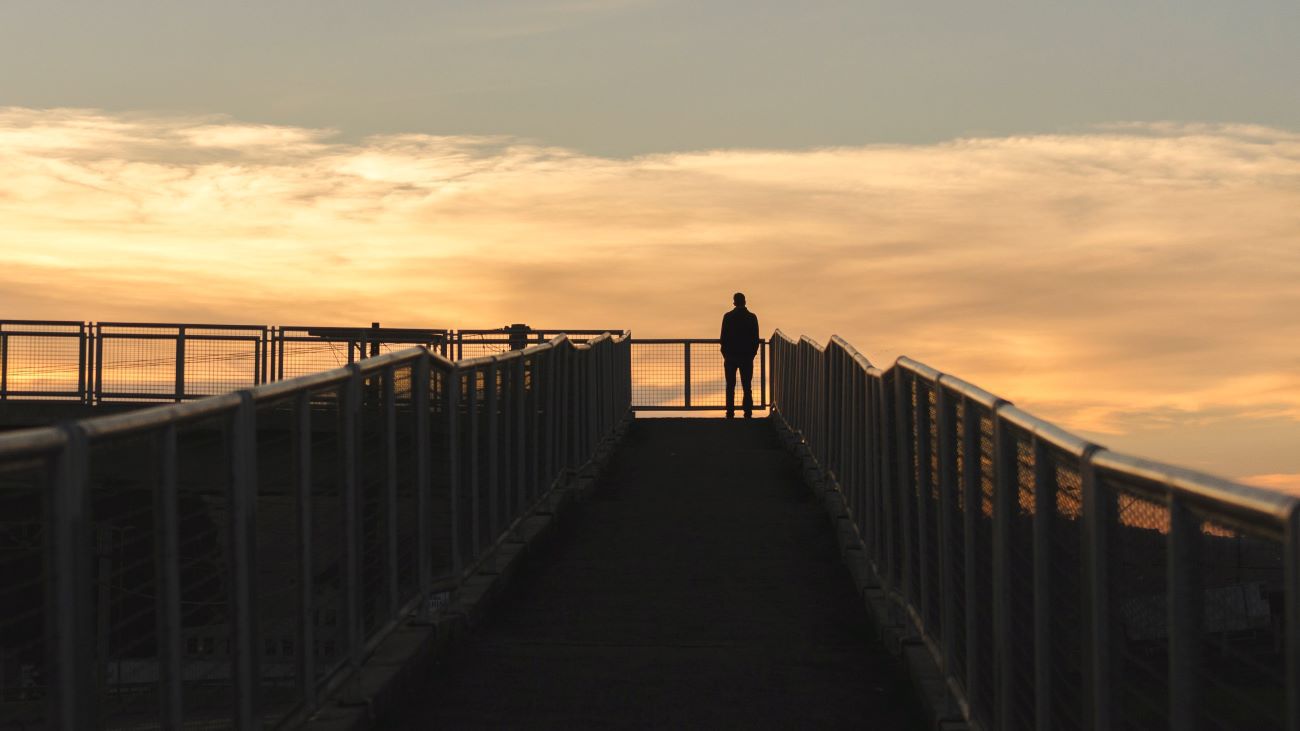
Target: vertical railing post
<point>167,568</point>
<point>473,469</point>
<point>534,462</point>
<point>98,395</point>
<point>903,478</point>
<point>180,363</point>
<point>243,526</point>
<point>306,629</point>
<point>1098,515</point>
<point>519,446</point>
<point>4,366</point>
<point>1005,477</point>
<point>83,362</point>
<point>972,493</point>
<point>1291,606</point>
<point>390,490</point>
<point>1186,607</point>
<point>1044,514</point>
<point>69,633</point>
<point>924,521</point>
<point>762,374</point>
<point>493,450</point>
<point>946,431</point>
<point>451,405</point>
<point>350,439</point>
<point>686,374</point>
<point>423,483</point>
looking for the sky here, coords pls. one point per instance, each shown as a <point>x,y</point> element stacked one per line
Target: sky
<point>1093,210</point>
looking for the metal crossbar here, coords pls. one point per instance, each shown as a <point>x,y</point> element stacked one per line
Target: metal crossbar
<point>1057,584</point>
<point>229,561</point>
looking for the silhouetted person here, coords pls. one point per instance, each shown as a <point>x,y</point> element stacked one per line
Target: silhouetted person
<point>739,345</point>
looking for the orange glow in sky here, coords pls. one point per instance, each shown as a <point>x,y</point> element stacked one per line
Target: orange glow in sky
<point>1138,283</point>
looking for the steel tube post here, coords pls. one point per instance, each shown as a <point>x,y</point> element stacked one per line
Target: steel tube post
<point>924,479</point>
<point>83,358</point>
<point>180,363</point>
<point>451,405</point>
<point>99,364</point>
<point>243,524</point>
<point>69,634</point>
<point>423,484</point>
<point>167,568</point>
<point>520,442</point>
<point>493,455</point>
<point>4,366</point>
<point>390,490</point>
<point>1044,512</point>
<point>473,469</point>
<point>1098,515</point>
<point>306,629</point>
<point>1186,607</point>
<point>533,463</point>
<point>352,514</point>
<point>686,375</point>
<point>1004,507</point>
<point>762,373</point>
<point>946,431</point>
<point>1291,589</point>
<point>903,478</point>
<point>972,492</point>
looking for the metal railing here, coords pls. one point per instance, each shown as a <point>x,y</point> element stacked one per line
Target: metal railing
<point>108,362</point>
<point>230,561</point>
<point>1057,584</point>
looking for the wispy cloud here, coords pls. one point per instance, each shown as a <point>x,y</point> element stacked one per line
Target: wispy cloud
<point>1127,278</point>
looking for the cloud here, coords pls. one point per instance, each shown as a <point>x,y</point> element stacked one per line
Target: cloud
<point>1132,277</point>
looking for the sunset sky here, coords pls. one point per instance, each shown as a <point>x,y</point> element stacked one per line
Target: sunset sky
<point>1091,209</point>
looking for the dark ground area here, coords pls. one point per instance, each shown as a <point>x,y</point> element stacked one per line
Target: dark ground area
<point>700,587</point>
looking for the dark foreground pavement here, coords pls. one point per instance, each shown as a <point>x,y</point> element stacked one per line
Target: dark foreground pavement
<point>699,587</point>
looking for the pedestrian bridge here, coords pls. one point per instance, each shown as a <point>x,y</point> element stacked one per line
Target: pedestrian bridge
<point>425,537</point>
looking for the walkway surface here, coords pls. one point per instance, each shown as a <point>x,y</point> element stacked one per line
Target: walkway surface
<point>699,587</point>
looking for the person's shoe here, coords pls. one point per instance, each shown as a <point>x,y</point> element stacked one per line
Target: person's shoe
<point>748,415</point>
<point>730,415</point>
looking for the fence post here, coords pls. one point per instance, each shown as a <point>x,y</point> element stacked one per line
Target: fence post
<point>69,633</point>
<point>972,491</point>
<point>1044,514</point>
<point>302,438</point>
<point>99,363</point>
<point>180,363</point>
<point>686,375</point>
<point>4,366</point>
<point>519,445</point>
<point>903,479</point>
<point>451,404</point>
<point>924,483</point>
<point>946,431</point>
<point>423,484</point>
<point>167,563</point>
<point>475,463</point>
<point>1291,589</point>
<point>1098,514</point>
<point>1005,474</point>
<point>83,361</point>
<point>243,522</point>
<point>1186,607</point>
<point>352,514</point>
<point>493,450</point>
<point>390,488</point>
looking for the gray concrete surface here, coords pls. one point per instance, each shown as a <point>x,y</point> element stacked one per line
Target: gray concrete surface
<point>699,587</point>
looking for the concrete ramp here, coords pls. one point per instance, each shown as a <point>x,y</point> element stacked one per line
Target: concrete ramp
<point>699,587</point>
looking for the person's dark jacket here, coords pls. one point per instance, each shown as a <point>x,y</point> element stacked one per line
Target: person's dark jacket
<point>739,335</point>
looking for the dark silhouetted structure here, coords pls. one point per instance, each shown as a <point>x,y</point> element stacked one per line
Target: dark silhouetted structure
<point>739,345</point>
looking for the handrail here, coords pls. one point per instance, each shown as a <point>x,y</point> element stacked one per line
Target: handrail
<point>1049,559</point>
<point>391,477</point>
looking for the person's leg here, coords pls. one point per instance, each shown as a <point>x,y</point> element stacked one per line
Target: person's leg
<point>746,378</point>
<point>730,369</point>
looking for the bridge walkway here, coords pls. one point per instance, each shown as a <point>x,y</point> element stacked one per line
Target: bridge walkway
<point>699,587</point>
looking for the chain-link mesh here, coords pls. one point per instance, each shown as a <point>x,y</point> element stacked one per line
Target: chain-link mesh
<point>41,360</point>
<point>222,360</point>
<point>658,370</point>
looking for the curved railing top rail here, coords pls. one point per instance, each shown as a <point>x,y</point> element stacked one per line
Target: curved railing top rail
<point>1245,502</point>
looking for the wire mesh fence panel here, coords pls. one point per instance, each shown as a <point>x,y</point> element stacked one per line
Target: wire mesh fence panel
<point>1241,661</point>
<point>24,485</point>
<point>1068,710</point>
<point>299,355</point>
<point>1137,562</point>
<point>123,489</point>
<point>222,360</point>
<point>278,583</point>
<point>136,363</point>
<point>709,379</point>
<point>658,374</point>
<point>42,360</point>
<point>203,506</point>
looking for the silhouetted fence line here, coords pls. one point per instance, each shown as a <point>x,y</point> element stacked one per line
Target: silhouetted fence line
<point>1056,584</point>
<point>227,562</point>
<point>111,362</point>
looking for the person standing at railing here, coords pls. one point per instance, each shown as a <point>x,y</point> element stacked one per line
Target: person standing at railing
<point>739,345</point>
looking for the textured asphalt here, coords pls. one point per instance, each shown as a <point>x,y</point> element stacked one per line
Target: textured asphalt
<point>699,587</point>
